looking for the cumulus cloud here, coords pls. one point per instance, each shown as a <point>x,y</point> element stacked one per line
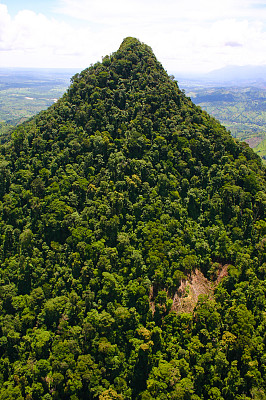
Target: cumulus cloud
<point>186,35</point>
<point>33,40</point>
<point>125,11</point>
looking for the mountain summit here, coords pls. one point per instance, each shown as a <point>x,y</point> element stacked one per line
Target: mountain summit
<point>132,245</point>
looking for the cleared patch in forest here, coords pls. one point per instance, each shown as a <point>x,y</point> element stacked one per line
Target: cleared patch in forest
<point>186,296</point>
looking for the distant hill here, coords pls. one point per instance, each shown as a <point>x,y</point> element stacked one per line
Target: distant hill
<point>236,96</point>
<point>242,110</point>
<point>239,74</point>
<point>133,251</point>
<point>227,76</point>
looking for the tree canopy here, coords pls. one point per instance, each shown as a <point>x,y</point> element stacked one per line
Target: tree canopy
<point>109,202</point>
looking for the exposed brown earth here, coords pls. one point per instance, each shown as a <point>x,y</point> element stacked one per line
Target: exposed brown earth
<point>186,296</point>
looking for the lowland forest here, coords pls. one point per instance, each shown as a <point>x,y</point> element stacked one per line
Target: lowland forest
<point>133,245</point>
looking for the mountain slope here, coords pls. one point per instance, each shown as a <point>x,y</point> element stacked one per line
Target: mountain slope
<point>110,200</point>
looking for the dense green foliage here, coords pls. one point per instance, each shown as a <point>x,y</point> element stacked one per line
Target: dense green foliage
<point>108,200</point>
<point>5,131</point>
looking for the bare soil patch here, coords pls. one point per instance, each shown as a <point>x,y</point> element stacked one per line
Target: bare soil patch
<point>186,296</point>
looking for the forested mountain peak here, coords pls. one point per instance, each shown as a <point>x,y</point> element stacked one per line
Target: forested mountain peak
<point>132,44</point>
<point>114,204</point>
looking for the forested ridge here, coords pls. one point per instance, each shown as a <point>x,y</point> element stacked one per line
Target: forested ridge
<point>110,200</point>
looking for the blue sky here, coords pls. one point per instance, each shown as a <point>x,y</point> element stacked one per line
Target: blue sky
<point>14,6</point>
<point>185,35</point>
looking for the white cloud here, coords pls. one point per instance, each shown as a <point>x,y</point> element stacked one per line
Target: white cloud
<point>5,21</point>
<point>126,11</point>
<point>185,34</point>
<point>192,35</point>
<point>31,39</point>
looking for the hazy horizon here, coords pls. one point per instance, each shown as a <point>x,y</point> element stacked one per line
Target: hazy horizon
<point>224,74</point>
